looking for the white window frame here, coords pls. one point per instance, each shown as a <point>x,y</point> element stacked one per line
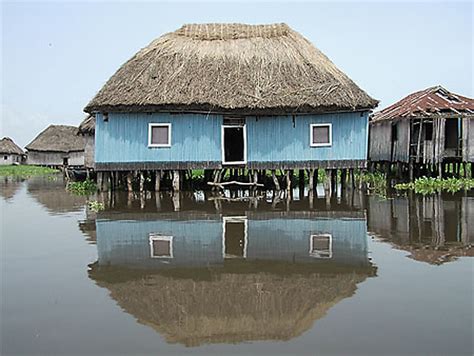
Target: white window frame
<point>223,127</point>
<point>327,144</point>
<point>318,255</point>
<point>157,237</point>
<point>235,219</point>
<point>150,129</point>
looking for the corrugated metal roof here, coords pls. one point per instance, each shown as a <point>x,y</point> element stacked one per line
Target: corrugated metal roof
<point>425,103</point>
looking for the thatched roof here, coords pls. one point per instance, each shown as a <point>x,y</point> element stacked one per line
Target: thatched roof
<point>87,126</point>
<point>434,101</point>
<point>58,138</point>
<point>260,69</point>
<point>7,146</point>
<point>227,307</point>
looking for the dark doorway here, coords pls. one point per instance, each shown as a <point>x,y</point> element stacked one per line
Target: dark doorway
<point>235,240</point>
<point>451,135</point>
<point>65,161</point>
<point>234,144</point>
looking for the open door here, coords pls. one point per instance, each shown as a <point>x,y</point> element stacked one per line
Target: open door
<point>234,143</point>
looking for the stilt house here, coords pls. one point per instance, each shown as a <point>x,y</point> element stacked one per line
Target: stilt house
<point>87,131</point>
<point>430,127</point>
<point>57,145</point>
<point>211,96</point>
<point>10,152</point>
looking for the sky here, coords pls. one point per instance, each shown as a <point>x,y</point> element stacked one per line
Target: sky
<point>56,55</point>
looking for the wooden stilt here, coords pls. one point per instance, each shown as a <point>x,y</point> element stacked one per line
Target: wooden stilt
<point>343,179</point>
<point>327,183</point>
<point>288,180</point>
<point>311,180</point>
<point>333,180</point>
<point>275,180</point>
<point>99,179</point>
<point>176,181</point>
<point>157,181</point>
<point>129,181</point>
<point>142,182</point>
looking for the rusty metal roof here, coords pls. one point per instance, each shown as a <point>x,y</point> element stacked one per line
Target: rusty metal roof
<point>433,101</point>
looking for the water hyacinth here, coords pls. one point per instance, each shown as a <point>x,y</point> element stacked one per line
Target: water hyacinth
<point>429,185</point>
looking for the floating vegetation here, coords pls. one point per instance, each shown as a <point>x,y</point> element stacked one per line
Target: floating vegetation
<point>426,185</point>
<point>25,171</point>
<point>86,187</point>
<point>95,206</point>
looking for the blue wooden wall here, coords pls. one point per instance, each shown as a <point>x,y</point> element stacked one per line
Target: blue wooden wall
<point>199,242</point>
<point>197,138</point>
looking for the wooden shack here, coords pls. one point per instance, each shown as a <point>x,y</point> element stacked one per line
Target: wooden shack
<point>424,132</point>
<point>87,130</point>
<point>229,96</point>
<point>10,152</point>
<point>57,146</point>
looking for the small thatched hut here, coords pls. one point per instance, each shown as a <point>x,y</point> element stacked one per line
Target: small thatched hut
<point>10,152</point>
<point>213,96</point>
<point>87,130</point>
<point>57,145</point>
<point>426,129</point>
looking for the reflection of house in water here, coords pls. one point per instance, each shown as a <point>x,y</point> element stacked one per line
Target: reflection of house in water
<point>9,186</point>
<point>200,277</point>
<point>434,229</point>
<point>52,194</point>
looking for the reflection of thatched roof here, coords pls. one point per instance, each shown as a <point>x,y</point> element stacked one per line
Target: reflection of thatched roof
<point>9,186</point>
<point>230,67</point>
<point>7,146</point>
<point>57,138</point>
<point>87,126</point>
<point>437,255</point>
<point>52,194</point>
<point>227,306</point>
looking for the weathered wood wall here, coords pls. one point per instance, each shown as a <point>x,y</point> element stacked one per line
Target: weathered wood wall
<point>468,140</point>
<point>41,158</point>
<point>381,146</point>
<point>6,158</point>
<point>89,150</point>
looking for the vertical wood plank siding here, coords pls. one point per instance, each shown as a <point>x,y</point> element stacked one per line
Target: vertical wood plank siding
<point>197,138</point>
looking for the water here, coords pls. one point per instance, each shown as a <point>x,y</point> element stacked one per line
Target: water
<point>194,273</point>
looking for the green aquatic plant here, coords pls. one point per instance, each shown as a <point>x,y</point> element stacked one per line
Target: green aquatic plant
<point>86,187</point>
<point>25,171</point>
<point>376,182</point>
<point>95,206</point>
<point>429,185</point>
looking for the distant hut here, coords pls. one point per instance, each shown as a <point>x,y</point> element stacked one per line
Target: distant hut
<point>10,152</point>
<point>424,131</point>
<point>57,145</point>
<point>227,96</point>
<point>87,130</point>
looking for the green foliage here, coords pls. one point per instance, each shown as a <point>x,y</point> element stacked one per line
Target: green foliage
<point>376,182</point>
<point>25,171</point>
<point>95,206</point>
<point>86,187</point>
<point>426,185</point>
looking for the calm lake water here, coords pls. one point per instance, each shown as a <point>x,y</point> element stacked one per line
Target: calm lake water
<point>194,273</point>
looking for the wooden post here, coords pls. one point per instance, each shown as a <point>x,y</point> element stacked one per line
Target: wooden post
<point>310,180</point>
<point>301,179</point>
<point>129,181</point>
<point>275,180</point>
<point>99,181</point>
<point>333,181</point>
<point>327,183</point>
<point>157,181</point>
<point>288,180</point>
<point>176,199</point>
<point>142,182</point>
<point>343,179</point>
<point>176,181</point>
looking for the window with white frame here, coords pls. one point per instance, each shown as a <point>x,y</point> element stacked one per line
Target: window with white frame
<point>161,246</point>
<point>159,135</point>
<point>320,135</point>
<point>320,246</point>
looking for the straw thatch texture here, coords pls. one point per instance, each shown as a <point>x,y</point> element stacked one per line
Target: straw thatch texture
<point>231,307</point>
<point>87,126</point>
<point>58,138</point>
<point>7,146</point>
<point>261,69</point>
